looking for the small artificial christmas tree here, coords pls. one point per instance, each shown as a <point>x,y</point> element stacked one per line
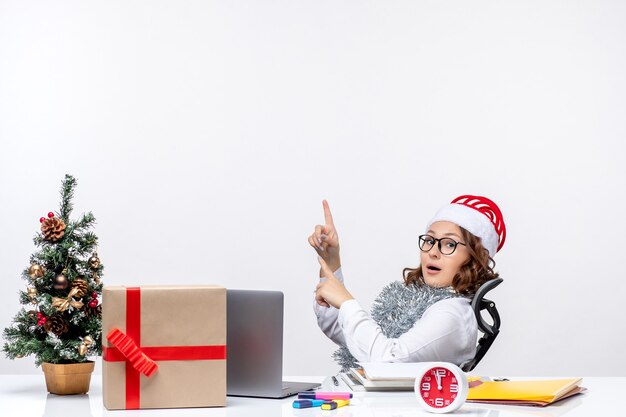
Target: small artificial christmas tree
<point>63,324</point>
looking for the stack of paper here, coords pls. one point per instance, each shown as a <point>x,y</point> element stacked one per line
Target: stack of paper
<point>391,371</point>
<point>380,384</point>
<point>536,393</point>
<point>382,376</point>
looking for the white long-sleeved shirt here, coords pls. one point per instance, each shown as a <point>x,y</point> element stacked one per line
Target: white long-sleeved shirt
<point>447,331</point>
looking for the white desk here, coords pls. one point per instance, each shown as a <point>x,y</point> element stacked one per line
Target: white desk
<point>25,395</point>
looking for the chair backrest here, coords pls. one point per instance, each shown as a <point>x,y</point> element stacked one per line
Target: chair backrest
<point>479,303</point>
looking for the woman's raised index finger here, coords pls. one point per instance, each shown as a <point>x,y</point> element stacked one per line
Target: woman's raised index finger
<point>328,217</point>
<point>327,271</point>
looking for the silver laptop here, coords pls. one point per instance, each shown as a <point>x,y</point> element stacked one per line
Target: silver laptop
<point>254,346</point>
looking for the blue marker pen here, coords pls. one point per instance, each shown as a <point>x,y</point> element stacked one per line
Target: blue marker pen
<point>307,403</point>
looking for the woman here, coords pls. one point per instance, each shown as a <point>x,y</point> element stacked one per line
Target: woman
<point>456,254</point>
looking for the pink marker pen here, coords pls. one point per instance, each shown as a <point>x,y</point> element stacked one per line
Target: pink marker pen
<point>312,395</point>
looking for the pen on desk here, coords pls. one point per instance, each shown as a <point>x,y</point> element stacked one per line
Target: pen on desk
<point>335,382</point>
<point>331,405</point>
<point>310,395</point>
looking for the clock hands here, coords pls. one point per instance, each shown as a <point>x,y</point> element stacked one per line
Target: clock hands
<point>438,377</point>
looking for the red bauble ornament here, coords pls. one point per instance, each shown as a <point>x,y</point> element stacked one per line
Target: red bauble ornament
<point>41,219</point>
<point>50,214</point>
<point>39,315</point>
<point>93,303</point>
<point>94,295</point>
<point>42,321</point>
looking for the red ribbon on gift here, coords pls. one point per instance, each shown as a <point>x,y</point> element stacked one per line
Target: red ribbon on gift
<point>127,347</point>
<point>141,359</point>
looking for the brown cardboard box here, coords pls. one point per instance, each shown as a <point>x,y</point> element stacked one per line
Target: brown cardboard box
<point>182,329</point>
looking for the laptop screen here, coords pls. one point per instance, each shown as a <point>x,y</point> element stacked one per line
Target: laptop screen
<point>254,342</point>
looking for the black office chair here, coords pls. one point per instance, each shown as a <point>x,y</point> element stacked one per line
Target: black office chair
<point>479,303</point>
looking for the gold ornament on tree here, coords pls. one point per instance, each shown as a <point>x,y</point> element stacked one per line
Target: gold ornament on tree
<point>96,278</point>
<point>62,304</point>
<point>36,271</point>
<point>84,347</point>
<point>32,294</point>
<point>52,229</point>
<point>82,350</point>
<point>94,261</point>
<point>60,281</point>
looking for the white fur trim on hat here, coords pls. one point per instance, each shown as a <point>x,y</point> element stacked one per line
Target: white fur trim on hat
<point>471,220</point>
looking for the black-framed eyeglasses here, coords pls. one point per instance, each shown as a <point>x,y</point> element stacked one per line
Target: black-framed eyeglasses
<point>446,245</point>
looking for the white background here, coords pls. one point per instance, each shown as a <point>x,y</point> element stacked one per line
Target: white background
<point>204,135</point>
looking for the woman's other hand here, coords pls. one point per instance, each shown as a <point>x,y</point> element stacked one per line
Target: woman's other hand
<point>331,291</point>
<point>325,240</point>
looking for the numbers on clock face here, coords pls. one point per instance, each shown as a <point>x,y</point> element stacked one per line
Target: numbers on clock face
<point>439,387</point>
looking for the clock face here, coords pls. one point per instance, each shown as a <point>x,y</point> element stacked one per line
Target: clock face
<point>439,387</point>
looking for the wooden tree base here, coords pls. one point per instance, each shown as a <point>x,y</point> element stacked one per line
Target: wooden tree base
<point>63,379</point>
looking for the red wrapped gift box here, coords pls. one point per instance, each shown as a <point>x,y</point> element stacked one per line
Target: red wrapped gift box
<point>166,346</point>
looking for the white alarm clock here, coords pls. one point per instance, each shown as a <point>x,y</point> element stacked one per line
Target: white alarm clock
<point>440,387</point>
